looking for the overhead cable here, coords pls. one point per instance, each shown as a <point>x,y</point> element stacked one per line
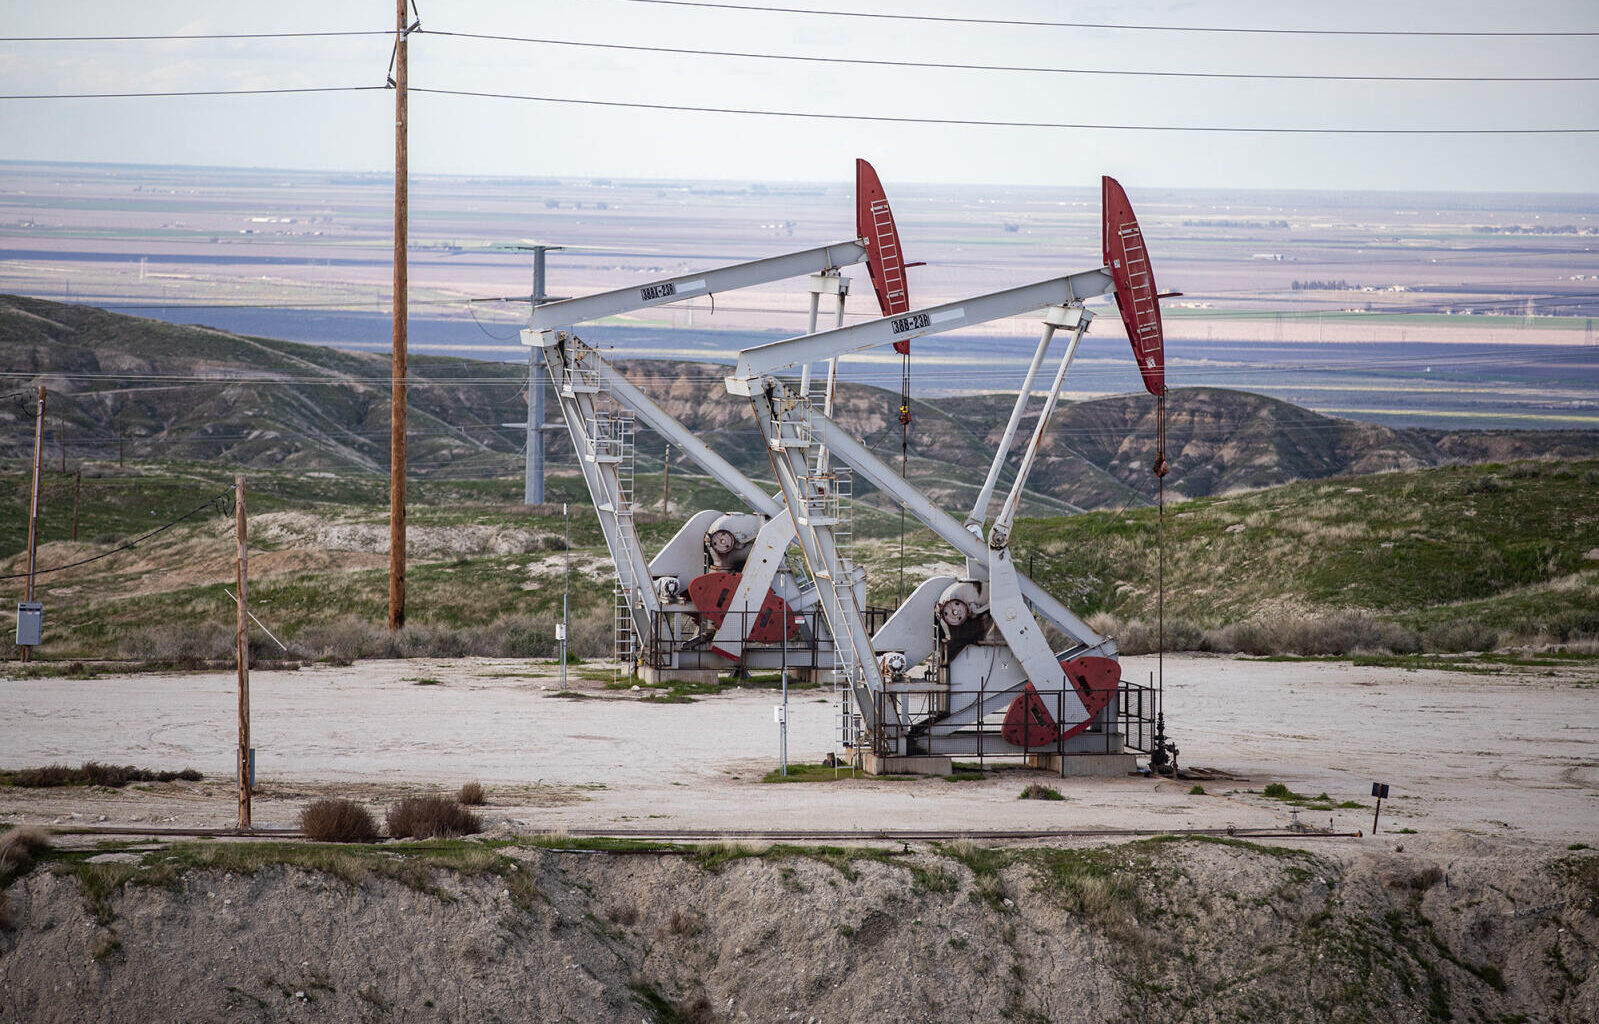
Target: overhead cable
<point>940,65</point>
<point>214,502</point>
<point>188,92</point>
<point>187,35</point>
<point>976,122</point>
<point>1118,26</point>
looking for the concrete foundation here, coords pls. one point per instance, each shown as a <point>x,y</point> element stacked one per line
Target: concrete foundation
<point>683,675</point>
<point>920,764</point>
<point>1085,765</point>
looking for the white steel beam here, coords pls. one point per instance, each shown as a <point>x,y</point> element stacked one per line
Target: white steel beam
<point>584,308</point>
<point>883,477</point>
<point>764,360</point>
<point>682,438</point>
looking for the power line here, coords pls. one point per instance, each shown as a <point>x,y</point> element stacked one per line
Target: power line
<point>1487,34</point>
<point>975,122</point>
<point>181,36</point>
<point>215,502</point>
<point>1015,67</point>
<point>190,92</point>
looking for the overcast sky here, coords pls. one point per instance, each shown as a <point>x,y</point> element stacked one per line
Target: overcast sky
<point>458,135</point>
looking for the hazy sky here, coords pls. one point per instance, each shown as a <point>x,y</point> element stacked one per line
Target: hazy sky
<point>470,135</point>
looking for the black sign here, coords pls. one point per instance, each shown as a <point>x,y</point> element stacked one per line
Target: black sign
<point>914,322</point>
<point>1379,790</point>
<point>657,291</point>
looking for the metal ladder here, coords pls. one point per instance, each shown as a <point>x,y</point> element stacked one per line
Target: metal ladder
<point>612,436</point>
<point>888,252</point>
<point>813,500</point>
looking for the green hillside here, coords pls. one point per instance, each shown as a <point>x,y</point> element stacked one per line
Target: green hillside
<point>1450,558</point>
<point>1455,558</point>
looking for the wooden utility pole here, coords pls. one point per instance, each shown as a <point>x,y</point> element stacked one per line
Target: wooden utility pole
<point>243,627</point>
<point>397,416</point>
<point>33,506</point>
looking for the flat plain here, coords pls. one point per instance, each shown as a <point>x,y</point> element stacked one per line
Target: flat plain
<point>1410,309</point>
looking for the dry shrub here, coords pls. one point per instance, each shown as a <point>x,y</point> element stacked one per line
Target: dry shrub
<point>427,817</point>
<point>510,636</point>
<point>1338,633</point>
<point>696,1011</point>
<point>1405,876</point>
<point>687,922</point>
<point>340,641</point>
<point>1461,635</point>
<point>188,645</point>
<point>623,914</point>
<point>18,847</point>
<point>338,821</point>
<point>93,773</point>
<point>1037,791</point>
<point>1135,636</point>
<point>472,794</point>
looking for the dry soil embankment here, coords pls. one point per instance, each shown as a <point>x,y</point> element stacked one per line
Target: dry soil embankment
<point>1148,931</point>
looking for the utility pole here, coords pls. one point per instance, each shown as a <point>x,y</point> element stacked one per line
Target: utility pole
<point>533,481</point>
<point>397,414</point>
<point>77,489</point>
<point>243,627</point>
<point>33,507</point>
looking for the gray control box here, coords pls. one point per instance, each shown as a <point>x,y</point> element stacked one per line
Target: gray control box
<point>30,623</point>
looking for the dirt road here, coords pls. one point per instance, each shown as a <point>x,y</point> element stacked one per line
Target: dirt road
<point>1511,755</point>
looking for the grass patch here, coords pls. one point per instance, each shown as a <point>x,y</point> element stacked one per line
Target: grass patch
<point>411,864</point>
<point>818,773</point>
<point>1040,792</point>
<point>714,857</point>
<point>933,880</point>
<point>1323,802</point>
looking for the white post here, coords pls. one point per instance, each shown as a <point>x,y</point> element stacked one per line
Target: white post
<point>985,497</point>
<point>566,594</point>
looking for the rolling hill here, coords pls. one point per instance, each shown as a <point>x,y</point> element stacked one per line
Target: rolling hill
<point>127,388</point>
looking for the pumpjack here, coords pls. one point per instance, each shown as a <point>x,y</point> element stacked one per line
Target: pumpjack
<point>722,594</point>
<point>965,665</point>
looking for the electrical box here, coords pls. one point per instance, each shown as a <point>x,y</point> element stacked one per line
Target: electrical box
<point>30,623</point>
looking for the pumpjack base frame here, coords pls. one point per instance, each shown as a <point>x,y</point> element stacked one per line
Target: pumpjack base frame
<point>651,675</point>
<point>1098,766</point>
<point>915,764</point>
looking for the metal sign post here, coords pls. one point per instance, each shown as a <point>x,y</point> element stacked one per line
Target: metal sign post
<point>782,713</point>
<point>1378,790</point>
<point>566,593</point>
